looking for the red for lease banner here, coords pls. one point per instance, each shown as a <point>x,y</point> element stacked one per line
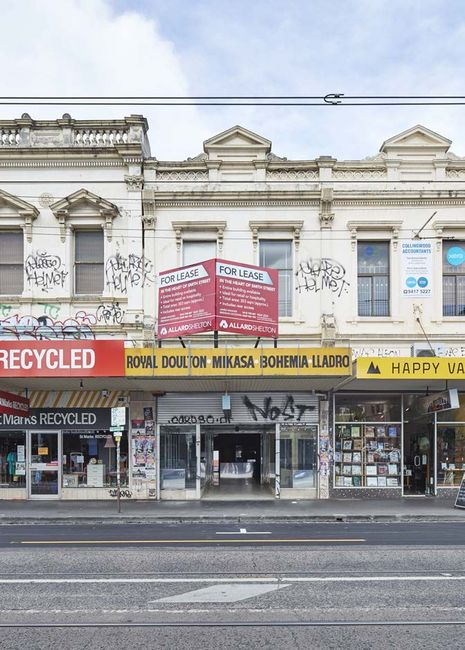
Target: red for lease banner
<point>61,358</point>
<point>218,295</point>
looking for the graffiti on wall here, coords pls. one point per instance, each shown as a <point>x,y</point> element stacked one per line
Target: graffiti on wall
<point>289,410</point>
<point>46,328</point>
<point>110,314</point>
<point>319,274</point>
<point>123,273</point>
<point>45,271</point>
<point>49,327</point>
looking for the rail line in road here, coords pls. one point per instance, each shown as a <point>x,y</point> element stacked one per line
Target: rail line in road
<point>217,624</point>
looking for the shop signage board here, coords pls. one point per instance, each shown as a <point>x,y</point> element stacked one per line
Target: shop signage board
<point>101,358</point>
<point>460,500</point>
<point>410,368</point>
<point>416,268</point>
<point>220,362</point>
<point>218,295</point>
<point>443,401</point>
<point>70,420</point>
<point>13,404</point>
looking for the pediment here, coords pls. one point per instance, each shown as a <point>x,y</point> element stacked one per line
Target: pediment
<point>240,140</point>
<point>417,138</point>
<point>85,201</point>
<point>9,202</point>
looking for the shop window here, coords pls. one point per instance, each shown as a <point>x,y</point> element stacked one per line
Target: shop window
<point>89,262</point>
<point>12,459</point>
<point>451,454</point>
<point>367,441</point>
<point>89,460</point>
<point>298,452</point>
<point>194,251</point>
<point>373,278</point>
<point>11,262</point>
<point>453,278</point>
<point>177,458</point>
<point>277,254</point>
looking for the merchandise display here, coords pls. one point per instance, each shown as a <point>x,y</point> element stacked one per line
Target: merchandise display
<point>367,455</point>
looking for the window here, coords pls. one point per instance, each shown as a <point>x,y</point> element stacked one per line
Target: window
<point>11,262</point>
<point>89,460</point>
<point>277,254</point>
<point>12,459</point>
<point>373,278</point>
<point>194,251</point>
<point>453,279</point>
<point>88,259</point>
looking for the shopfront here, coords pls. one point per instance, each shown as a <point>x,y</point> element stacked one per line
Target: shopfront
<point>60,453</point>
<point>264,445</point>
<point>386,445</point>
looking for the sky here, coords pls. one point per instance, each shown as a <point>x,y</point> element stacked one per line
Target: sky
<point>242,47</point>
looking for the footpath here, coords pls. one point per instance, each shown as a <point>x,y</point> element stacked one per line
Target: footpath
<point>67,512</point>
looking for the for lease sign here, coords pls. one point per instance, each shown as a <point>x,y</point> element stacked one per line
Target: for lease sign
<point>218,295</point>
<point>61,358</point>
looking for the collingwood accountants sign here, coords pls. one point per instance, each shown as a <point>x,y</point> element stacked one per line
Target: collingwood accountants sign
<point>61,358</point>
<point>218,295</point>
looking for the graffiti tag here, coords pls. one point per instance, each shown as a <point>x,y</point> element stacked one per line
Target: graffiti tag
<point>122,273</point>
<point>124,494</point>
<point>316,275</point>
<point>110,314</point>
<point>45,328</point>
<point>289,410</point>
<point>45,271</point>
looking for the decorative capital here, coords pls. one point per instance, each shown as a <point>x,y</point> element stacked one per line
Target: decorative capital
<point>149,221</point>
<point>134,183</point>
<point>326,206</point>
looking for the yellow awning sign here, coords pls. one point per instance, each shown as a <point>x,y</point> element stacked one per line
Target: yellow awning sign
<point>302,362</point>
<point>410,368</point>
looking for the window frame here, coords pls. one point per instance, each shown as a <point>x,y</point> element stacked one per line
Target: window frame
<point>20,264</point>
<point>288,240</point>
<point>456,275</point>
<point>77,263</point>
<point>387,276</point>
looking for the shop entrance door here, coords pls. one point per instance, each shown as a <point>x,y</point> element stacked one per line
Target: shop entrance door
<point>44,464</point>
<point>419,457</point>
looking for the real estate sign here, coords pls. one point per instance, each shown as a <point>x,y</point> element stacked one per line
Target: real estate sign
<point>218,295</point>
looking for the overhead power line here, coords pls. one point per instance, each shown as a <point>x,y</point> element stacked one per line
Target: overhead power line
<point>330,99</point>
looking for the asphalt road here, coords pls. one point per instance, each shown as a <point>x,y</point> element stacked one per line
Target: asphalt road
<point>403,587</point>
<point>203,534</point>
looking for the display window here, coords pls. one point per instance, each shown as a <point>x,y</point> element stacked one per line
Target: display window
<point>89,460</point>
<point>451,454</point>
<point>12,459</point>
<point>367,446</point>
<point>177,458</point>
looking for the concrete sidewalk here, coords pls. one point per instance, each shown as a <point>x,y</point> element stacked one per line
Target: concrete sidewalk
<point>405,509</point>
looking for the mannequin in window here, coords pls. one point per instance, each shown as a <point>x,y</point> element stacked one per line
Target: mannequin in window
<point>11,463</point>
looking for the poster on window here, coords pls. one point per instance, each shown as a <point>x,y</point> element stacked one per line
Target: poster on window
<point>143,456</point>
<point>416,268</point>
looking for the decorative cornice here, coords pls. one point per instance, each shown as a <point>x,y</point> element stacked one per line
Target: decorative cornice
<point>380,225</point>
<point>62,163</point>
<point>420,201</point>
<point>180,227</point>
<point>294,227</point>
<point>25,212</point>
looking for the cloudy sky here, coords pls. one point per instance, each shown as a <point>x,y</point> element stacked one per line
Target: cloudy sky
<point>243,47</point>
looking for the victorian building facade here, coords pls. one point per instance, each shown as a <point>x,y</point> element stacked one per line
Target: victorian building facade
<point>371,262</point>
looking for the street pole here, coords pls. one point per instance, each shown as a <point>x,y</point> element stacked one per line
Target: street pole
<point>118,475</point>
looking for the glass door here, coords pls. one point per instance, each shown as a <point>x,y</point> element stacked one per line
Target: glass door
<point>419,462</point>
<point>44,465</point>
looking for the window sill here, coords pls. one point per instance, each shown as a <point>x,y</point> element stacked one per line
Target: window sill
<point>375,319</point>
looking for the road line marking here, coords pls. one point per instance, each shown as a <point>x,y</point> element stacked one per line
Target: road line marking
<point>194,541</point>
<point>244,532</point>
<point>282,579</point>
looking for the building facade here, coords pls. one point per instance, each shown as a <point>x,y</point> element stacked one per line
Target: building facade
<point>371,262</point>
